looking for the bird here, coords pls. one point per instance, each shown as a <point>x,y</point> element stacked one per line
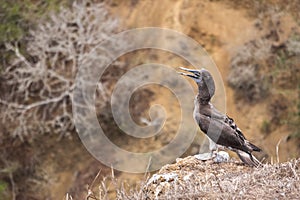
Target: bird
<point>220,128</point>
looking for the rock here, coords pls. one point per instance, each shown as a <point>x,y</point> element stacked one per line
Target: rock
<point>222,156</point>
<point>191,178</point>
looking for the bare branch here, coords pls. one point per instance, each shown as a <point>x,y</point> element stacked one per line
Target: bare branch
<point>38,87</point>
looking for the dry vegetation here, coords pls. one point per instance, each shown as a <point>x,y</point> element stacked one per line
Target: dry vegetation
<point>37,88</point>
<point>194,179</point>
<point>190,178</point>
<point>269,68</point>
<point>268,61</point>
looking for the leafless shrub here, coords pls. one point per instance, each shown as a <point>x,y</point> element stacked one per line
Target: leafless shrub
<point>244,75</point>
<point>37,88</point>
<point>293,45</point>
<point>268,60</point>
<point>110,187</point>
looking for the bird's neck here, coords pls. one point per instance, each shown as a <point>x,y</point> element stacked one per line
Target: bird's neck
<point>202,101</point>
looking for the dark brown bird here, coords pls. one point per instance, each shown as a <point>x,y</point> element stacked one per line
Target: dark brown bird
<point>220,128</point>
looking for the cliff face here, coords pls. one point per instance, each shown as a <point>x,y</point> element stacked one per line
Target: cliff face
<point>190,178</point>
<point>226,29</point>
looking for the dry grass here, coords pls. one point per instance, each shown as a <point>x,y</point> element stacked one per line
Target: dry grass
<point>197,179</point>
<point>190,178</point>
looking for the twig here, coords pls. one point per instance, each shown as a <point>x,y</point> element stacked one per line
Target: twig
<point>147,169</point>
<point>69,197</point>
<point>13,186</point>
<point>90,194</point>
<point>9,169</point>
<point>294,172</point>
<point>37,104</point>
<point>277,150</point>
<point>92,184</point>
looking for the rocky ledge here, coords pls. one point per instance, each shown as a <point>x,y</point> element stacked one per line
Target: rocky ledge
<point>191,178</point>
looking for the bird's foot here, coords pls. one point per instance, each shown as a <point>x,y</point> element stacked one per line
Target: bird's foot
<point>216,156</point>
<point>205,156</point>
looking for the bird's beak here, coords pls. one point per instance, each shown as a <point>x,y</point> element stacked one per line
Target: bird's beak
<point>193,75</point>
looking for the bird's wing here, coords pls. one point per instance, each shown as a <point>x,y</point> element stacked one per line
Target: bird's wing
<point>228,121</point>
<point>221,133</point>
<point>222,129</point>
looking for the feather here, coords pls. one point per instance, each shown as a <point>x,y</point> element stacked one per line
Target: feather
<point>248,158</point>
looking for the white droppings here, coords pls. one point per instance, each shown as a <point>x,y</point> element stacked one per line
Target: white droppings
<point>163,178</point>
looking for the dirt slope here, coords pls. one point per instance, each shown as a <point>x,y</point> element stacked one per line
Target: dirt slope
<point>221,28</point>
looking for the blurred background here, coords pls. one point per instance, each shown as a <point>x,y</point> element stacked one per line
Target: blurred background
<point>255,45</point>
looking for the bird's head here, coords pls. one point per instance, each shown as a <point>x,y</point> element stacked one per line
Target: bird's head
<point>204,80</point>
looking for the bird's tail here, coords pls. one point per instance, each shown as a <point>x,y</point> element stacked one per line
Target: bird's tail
<point>248,158</point>
<point>253,147</point>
